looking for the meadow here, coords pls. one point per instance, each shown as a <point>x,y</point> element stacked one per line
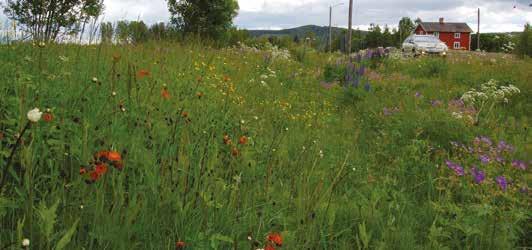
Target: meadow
<point>181,146</point>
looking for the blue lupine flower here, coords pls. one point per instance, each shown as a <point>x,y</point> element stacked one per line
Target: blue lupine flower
<point>356,82</point>
<point>361,70</point>
<point>367,87</point>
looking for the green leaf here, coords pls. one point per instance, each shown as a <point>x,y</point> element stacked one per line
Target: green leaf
<point>67,237</point>
<point>47,217</point>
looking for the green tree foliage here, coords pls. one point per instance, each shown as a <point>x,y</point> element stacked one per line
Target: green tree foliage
<point>138,32</point>
<point>159,31</point>
<point>524,44</point>
<point>45,20</point>
<point>375,37</point>
<point>207,18</point>
<point>122,32</point>
<point>406,27</point>
<point>492,42</point>
<point>106,32</point>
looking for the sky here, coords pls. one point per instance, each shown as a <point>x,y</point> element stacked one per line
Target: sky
<point>496,15</point>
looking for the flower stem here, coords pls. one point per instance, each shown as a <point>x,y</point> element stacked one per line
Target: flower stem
<point>13,151</point>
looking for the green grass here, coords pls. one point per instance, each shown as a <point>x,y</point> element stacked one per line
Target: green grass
<point>324,167</point>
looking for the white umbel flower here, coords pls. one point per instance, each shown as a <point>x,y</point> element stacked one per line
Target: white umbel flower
<point>25,243</point>
<point>34,115</point>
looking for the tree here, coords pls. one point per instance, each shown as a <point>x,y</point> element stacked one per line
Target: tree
<point>158,31</point>
<point>207,18</point>
<point>374,37</point>
<point>138,32</point>
<point>122,32</point>
<point>387,37</point>
<point>406,27</point>
<point>45,20</point>
<point>524,44</point>
<point>106,32</point>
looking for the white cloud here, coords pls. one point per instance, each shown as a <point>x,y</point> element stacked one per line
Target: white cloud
<point>497,15</point>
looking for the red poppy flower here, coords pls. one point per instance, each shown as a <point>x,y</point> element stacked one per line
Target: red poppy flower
<point>184,114</point>
<point>101,169</point>
<point>235,152</point>
<point>226,79</point>
<point>143,73</point>
<point>114,156</point>
<point>180,245</point>
<point>243,140</point>
<point>47,117</point>
<point>275,238</point>
<point>165,94</point>
<point>82,171</point>
<point>94,176</point>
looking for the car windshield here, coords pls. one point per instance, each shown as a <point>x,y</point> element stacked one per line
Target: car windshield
<point>431,39</point>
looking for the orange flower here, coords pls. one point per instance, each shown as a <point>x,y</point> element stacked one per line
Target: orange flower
<point>269,247</point>
<point>180,245</point>
<point>47,117</point>
<point>118,165</point>
<point>227,78</point>
<point>94,176</point>
<point>82,171</point>
<point>199,94</point>
<point>227,140</point>
<point>1,136</point>
<point>165,94</point>
<point>143,73</point>
<point>184,114</point>
<point>102,155</point>
<point>101,169</point>
<point>114,156</point>
<point>243,140</point>
<point>235,152</point>
<point>275,238</point>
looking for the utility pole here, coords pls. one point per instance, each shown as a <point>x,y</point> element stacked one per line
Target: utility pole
<point>330,25</point>
<point>478,30</point>
<point>350,29</point>
<point>330,28</point>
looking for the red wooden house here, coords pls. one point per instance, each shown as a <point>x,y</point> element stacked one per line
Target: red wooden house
<point>456,35</point>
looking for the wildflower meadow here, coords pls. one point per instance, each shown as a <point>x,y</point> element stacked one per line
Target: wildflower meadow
<point>183,146</point>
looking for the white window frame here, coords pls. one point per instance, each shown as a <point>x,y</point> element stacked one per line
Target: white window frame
<point>457,45</point>
<point>457,35</point>
<point>437,34</point>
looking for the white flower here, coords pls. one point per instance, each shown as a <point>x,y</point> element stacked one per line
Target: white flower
<point>25,243</point>
<point>34,115</point>
<point>95,80</point>
<point>113,94</point>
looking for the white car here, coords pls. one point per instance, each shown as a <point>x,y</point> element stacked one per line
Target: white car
<point>424,44</point>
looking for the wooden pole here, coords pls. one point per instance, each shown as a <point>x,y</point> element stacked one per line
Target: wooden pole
<point>478,31</point>
<point>350,29</point>
<point>330,29</point>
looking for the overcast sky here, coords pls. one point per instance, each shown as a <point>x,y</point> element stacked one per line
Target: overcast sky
<point>496,15</point>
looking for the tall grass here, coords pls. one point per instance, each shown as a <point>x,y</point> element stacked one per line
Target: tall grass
<point>325,173</point>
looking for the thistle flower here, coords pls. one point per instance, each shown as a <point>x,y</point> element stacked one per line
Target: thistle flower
<point>458,170</point>
<point>34,115</point>
<point>502,182</point>
<point>484,159</point>
<point>478,175</point>
<point>519,164</point>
